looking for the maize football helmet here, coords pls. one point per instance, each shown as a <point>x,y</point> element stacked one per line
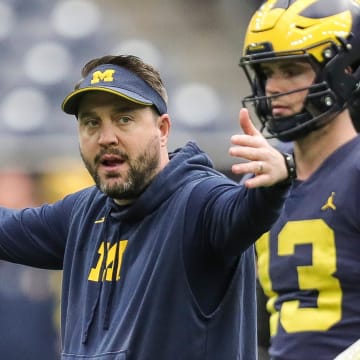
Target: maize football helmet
<point>324,32</point>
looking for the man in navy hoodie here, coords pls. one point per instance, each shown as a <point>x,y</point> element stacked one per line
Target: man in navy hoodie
<point>157,258</point>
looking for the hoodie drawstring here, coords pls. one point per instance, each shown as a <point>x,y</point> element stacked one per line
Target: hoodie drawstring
<point>95,305</point>
<point>111,294</point>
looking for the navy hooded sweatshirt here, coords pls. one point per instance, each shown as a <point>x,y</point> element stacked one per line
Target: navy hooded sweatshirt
<point>169,277</point>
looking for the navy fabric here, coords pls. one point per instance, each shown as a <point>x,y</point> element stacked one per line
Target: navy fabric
<point>170,277</point>
<point>118,80</point>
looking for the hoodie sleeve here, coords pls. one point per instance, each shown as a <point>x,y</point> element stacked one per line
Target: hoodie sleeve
<point>36,236</point>
<point>234,217</point>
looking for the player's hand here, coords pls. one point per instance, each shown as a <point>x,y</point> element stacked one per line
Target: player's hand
<point>266,162</point>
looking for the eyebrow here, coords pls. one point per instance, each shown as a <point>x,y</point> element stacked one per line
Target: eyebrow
<point>286,65</point>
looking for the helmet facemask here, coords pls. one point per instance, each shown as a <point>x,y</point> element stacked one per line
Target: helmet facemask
<point>321,103</point>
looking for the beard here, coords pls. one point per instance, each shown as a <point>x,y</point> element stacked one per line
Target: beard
<point>141,171</point>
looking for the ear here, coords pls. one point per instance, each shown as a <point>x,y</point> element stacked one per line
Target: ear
<point>164,125</point>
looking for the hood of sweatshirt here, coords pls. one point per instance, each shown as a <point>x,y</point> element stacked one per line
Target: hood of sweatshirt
<point>184,165</point>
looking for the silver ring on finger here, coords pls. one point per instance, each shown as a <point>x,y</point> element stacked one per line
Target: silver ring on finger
<point>260,167</point>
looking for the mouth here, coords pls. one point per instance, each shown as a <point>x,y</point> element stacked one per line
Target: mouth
<point>111,162</point>
<point>279,110</point>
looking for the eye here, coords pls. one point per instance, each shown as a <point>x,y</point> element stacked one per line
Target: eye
<point>123,119</point>
<point>291,72</point>
<point>89,122</point>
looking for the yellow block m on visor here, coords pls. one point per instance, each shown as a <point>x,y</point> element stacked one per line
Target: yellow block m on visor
<point>116,80</point>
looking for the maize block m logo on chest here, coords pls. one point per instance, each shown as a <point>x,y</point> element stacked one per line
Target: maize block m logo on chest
<point>108,265</point>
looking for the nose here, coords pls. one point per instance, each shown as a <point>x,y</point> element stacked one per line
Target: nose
<point>108,135</point>
<point>273,85</point>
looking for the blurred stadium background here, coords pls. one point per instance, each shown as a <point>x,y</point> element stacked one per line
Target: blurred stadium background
<point>43,44</point>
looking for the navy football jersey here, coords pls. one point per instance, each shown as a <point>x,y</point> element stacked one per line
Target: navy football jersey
<point>309,263</point>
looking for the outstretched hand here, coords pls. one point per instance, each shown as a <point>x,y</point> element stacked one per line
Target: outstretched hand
<point>266,162</point>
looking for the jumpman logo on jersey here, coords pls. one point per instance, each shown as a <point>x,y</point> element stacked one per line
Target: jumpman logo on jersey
<point>329,203</point>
